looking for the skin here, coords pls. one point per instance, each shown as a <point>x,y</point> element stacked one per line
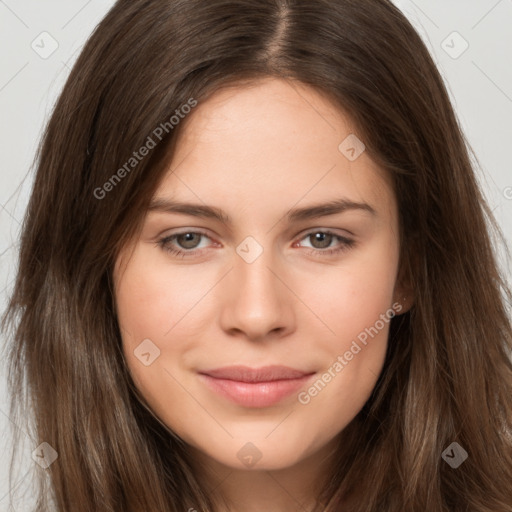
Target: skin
<point>256,152</point>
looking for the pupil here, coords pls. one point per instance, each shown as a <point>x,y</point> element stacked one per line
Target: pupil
<point>187,240</point>
<point>323,238</point>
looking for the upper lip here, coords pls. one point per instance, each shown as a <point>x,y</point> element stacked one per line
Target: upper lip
<point>264,374</point>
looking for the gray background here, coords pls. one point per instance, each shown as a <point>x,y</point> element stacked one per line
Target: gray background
<point>479,80</point>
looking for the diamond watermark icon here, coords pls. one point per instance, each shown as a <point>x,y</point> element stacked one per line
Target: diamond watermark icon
<point>454,455</point>
<point>44,455</point>
<point>352,147</point>
<point>249,249</point>
<point>249,455</point>
<point>44,45</point>
<point>147,352</point>
<point>455,45</point>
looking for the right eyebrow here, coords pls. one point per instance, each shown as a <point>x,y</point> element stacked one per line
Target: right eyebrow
<point>195,210</point>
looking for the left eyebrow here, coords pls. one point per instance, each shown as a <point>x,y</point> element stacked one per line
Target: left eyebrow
<point>331,208</point>
<point>314,211</point>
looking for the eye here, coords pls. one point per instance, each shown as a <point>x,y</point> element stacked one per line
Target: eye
<point>184,244</point>
<point>188,243</point>
<point>321,241</point>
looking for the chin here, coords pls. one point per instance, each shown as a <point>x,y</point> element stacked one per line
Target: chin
<point>260,454</point>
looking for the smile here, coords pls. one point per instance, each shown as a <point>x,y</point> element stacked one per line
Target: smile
<point>262,387</point>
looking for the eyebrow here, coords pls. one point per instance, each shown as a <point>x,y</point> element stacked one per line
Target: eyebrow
<point>333,207</point>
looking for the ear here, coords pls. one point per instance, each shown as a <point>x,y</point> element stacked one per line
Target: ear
<point>404,292</point>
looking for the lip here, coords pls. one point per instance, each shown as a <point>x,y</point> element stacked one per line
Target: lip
<point>255,387</point>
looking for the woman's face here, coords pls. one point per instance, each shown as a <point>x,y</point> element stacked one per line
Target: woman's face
<point>264,337</point>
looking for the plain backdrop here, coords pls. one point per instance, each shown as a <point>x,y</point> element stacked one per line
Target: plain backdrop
<point>470,40</point>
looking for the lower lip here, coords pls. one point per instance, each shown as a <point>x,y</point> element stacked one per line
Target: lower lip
<point>256,394</point>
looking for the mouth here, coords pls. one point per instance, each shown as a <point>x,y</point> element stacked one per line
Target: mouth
<point>255,387</point>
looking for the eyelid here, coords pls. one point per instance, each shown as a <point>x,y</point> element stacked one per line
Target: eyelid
<point>182,231</point>
<point>332,231</point>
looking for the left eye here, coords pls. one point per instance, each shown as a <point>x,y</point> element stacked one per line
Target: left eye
<point>322,238</point>
<point>321,243</point>
<point>188,243</point>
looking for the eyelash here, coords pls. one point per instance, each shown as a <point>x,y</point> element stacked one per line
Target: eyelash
<point>346,243</point>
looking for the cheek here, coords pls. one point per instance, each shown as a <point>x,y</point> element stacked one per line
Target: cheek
<point>354,301</point>
<point>172,307</point>
<point>352,296</point>
<point>353,357</point>
<point>162,305</point>
<point>153,300</point>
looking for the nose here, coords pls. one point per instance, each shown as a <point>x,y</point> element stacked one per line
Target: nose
<point>256,303</point>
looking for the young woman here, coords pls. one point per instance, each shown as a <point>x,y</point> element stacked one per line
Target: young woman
<point>256,272</point>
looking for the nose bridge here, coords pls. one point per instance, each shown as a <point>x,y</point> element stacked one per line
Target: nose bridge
<point>257,303</point>
<point>252,271</point>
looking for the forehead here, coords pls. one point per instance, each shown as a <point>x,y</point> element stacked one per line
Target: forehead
<point>272,144</point>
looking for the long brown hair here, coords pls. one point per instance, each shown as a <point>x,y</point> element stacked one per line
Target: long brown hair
<point>448,374</point>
